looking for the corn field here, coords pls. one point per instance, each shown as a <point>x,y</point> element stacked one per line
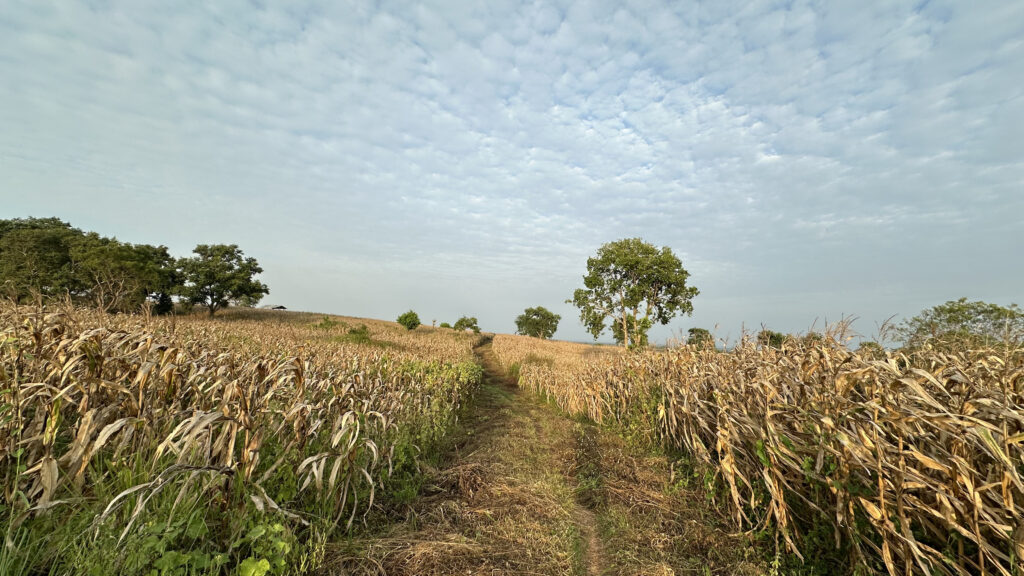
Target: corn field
<point>908,464</point>
<point>120,425</point>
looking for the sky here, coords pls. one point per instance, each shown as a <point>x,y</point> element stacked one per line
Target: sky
<point>807,161</point>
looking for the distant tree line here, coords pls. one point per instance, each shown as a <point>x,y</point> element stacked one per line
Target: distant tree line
<point>956,325</point>
<point>48,258</point>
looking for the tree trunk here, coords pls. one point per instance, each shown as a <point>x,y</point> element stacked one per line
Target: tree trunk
<point>625,324</point>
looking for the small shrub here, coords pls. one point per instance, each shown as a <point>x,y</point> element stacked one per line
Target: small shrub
<point>163,305</point>
<point>326,324</point>
<point>359,335</point>
<point>467,323</point>
<point>410,320</point>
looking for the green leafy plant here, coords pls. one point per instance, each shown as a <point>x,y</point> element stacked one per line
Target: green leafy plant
<point>467,323</point>
<point>410,320</point>
<point>327,323</point>
<point>538,322</point>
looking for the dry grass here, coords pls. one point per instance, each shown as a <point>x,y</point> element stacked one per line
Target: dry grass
<point>914,464</point>
<point>654,521</point>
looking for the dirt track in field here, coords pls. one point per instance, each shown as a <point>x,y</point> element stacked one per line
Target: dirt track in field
<point>529,491</point>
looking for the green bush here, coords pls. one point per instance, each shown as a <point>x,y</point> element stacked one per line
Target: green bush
<point>410,320</point>
<point>326,323</point>
<point>467,323</point>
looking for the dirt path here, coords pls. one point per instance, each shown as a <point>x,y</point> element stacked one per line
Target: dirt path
<point>530,491</point>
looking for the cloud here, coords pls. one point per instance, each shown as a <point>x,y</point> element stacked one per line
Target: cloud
<point>806,159</point>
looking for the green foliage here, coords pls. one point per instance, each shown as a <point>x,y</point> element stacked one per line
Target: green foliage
<point>220,274</point>
<point>445,325</point>
<point>960,324</point>
<point>34,256</point>
<point>410,320</point>
<point>327,323</point>
<point>118,277</point>
<point>171,547</point>
<point>634,284</point>
<point>359,335</point>
<point>467,323</point>
<point>637,329</point>
<point>269,546</point>
<point>538,322</point>
<point>164,304</point>
<point>771,339</point>
<point>700,338</point>
<point>870,349</point>
<point>247,301</point>
<point>48,257</point>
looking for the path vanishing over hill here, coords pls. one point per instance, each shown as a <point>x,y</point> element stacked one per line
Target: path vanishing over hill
<point>529,491</point>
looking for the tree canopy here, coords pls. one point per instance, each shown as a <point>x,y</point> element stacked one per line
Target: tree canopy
<point>467,323</point>
<point>960,323</point>
<point>634,284</point>
<point>700,338</point>
<point>870,349</point>
<point>220,274</point>
<point>771,338</point>
<point>538,322</point>
<point>49,257</point>
<point>35,257</point>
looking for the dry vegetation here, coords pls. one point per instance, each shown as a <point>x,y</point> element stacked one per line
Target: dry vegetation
<point>898,464</point>
<point>501,505</point>
<point>188,446</point>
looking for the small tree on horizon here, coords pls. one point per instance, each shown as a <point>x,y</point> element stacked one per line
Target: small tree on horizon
<point>700,338</point>
<point>538,322</point>
<point>467,323</point>
<point>872,350</point>
<point>219,275</point>
<point>771,338</point>
<point>960,323</point>
<point>410,320</point>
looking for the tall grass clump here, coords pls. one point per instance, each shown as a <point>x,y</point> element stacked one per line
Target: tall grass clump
<point>186,446</point>
<point>887,463</point>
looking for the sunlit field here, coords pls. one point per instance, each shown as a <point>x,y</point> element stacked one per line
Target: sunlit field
<point>181,444</point>
<point>897,463</point>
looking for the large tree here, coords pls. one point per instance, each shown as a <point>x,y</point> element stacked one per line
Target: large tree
<point>959,323</point>
<point>538,322</point>
<point>634,284</point>
<point>220,274</point>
